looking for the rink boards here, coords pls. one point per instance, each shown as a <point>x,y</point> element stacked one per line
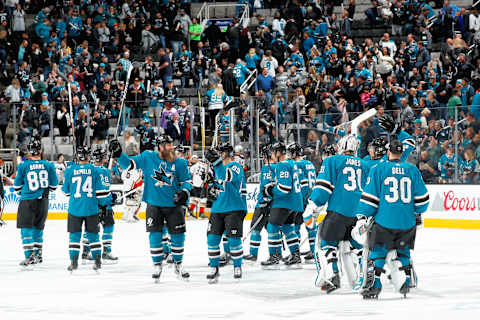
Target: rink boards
<point>451,206</point>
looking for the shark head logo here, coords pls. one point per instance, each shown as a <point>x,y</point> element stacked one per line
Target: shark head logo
<point>161,177</point>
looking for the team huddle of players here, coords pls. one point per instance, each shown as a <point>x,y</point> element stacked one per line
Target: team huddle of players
<point>373,207</point>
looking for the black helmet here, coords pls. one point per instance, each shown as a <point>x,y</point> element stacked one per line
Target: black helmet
<point>98,154</point>
<point>225,147</point>
<point>330,150</point>
<point>266,150</point>
<point>163,139</point>
<point>180,149</point>
<point>395,147</point>
<point>294,149</point>
<point>280,147</point>
<point>379,146</point>
<point>83,153</point>
<point>35,146</point>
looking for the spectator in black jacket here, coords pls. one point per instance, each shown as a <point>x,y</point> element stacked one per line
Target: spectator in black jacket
<point>100,127</point>
<point>4,115</point>
<point>174,130</point>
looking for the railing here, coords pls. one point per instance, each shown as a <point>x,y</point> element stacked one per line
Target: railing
<point>205,14</point>
<point>249,82</point>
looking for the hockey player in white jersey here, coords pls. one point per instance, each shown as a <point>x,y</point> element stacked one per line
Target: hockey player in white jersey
<point>198,197</point>
<point>133,184</point>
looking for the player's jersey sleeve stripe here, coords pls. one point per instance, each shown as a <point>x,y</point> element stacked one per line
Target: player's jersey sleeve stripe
<point>370,199</point>
<point>103,193</point>
<point>17,188</point>
<point>409,142</point>
<point>229,175</point>
<point>369,203</point>
<point>132,166</point>
<point>323,184</point>
<point>420,201</point>
<point>53,188</point>
<point>284,189</point>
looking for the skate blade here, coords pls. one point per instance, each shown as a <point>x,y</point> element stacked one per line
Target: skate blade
<point>213,281</point>
<point>293,266</point>
<point>309,262</point>
<point>184,279</point>
<point>109,262</point>
<point>156,281</point>
<point>26,268</point>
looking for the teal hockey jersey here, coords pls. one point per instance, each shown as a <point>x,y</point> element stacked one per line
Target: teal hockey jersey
<point>232,183</point>
<point>34,179</point>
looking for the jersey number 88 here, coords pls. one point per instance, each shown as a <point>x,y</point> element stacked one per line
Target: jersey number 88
<point>37,180</point>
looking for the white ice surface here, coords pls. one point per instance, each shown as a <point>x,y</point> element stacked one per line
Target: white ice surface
<point>447,262</point>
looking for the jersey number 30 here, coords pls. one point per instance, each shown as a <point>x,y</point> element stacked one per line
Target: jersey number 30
<point>86,186</point>
<point>399,189</point>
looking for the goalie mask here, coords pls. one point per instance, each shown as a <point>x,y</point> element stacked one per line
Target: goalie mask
<point>348,143</point>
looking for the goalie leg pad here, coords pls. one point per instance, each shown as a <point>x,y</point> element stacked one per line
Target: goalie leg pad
<point>348,261</point>
<point>328,259</point>
<point>312,233</point>
<point>397,275</point>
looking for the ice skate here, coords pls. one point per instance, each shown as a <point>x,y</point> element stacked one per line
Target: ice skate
<point>180,272</point>
<point>332,284</point>
<point>371,293</point>
<point>405,287</point>
<point>39,257</point>
<point>157,272</point>
<point>250,257</point>
<point>225,259</point>
<point>73,265</point>
<point>28,263</point>
<point>109,258</point>
<point>237,273</point>
<point>294,261</point>
<point>212,277</point>
<point>273,262</point>
<point>308,258</point>
<point>86,257</point>
<point>98,264</point>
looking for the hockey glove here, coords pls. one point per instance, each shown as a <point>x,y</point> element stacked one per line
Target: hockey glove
<point>388,124</point>
<point>310,214</point>
<point>114,197</point>
<point>359,232</point>
<point>180,197</point>
<point>418,220</point>
<point>212,193</point>
<point>267,190</point>
<point>115,148</point>
<point>213,157</point>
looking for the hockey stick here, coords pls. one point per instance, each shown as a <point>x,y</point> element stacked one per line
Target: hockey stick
<point>72,120</point>
<point>2,223</point>
<point>253,227</point>
<point>122,104</point>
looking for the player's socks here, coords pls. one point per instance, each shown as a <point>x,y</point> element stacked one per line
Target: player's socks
<point>27,241</point>
<point>166,245</point>
<point>37,236</point>
<point>107,237</point>
<point>213,242</point>
<point>95,245</point>
<point>291,237</point>
<point>274,239</point>
<point>156,249</point>
<point>236,251</point>
<point>74,245</point>
<point>255,240</point>
<point>297,231</point>
<point>178,243</point>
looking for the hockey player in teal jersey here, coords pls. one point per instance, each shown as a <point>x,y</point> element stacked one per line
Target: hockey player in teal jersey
<point>307,175</point>
<point>340,184</point>
<point>229,207</point>
<point>167,185</point>
<point>378,150</point>
<point>287,201</point>
<point>262,208</point>
<point>105,212</point>
<point>34,180</point>
<point>394,130</point>
<point>83,184</point>
<point>396,196</point>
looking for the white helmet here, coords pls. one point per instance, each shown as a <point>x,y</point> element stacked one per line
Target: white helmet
<point>238,149</point>
<point>348,143</point>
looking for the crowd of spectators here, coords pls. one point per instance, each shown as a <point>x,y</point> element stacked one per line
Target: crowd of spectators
<point>312,70</point>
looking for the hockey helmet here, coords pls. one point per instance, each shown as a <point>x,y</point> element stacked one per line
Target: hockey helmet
<point>395,147</point>
<point>329,150</point>
<point>266,150</point>
<point>98,155</point>
<point>163,139</point>
<point>238,149</point>
<point>280,147</point>
<point>379,146</point>
<point>349,143</point>
<point>180,149</point>
<point>294,149</point>
<point>225,147</point>
<point>83,153</point>
<point>35,147</point>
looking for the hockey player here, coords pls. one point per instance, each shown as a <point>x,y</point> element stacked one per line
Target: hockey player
<point>229,208</point>
<point>307,176</point>
<point>198,198</point>
<point>105,212</point>
<point>287,200</point>
<point>340,184</point>
<point>132,180</point>
<point>395,196</point>
<point>34,180</point>
<point>394,130</point>
<point>166,191</point>
<point>262,208</point>
<point>83,184</point>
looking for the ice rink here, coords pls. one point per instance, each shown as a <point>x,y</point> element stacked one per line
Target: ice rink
<point>447,263</point>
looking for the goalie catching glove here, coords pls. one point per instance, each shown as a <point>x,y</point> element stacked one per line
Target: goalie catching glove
<point>359,232</point>
<point>115,148</point>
